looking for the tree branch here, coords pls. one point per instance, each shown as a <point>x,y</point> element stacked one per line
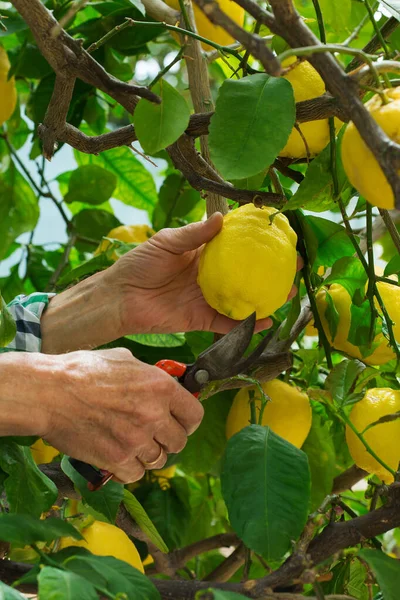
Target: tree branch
<point>254,43</point>
<point>347,479</point>
<point>200,92</point>
<point>289,25</point>
<point>67,57</point>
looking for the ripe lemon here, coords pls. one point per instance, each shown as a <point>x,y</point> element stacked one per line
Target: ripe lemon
<point>250,264</point>
<point>104,539</point>
<point>307,84</point>
<point>213,32</point>
<point>361,166</point>
<point>8,92</point>
<point>168,472</point>
<point>42,453</point>
<point>288,413</point>
<point>129,234</point>
<point>383,439</point>
<point>342,301</point>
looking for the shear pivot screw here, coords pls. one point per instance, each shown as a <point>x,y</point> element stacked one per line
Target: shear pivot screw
<point>201,376</point>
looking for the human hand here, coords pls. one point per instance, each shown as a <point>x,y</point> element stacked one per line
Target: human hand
<point>158,283</point>
<point>110,410</point>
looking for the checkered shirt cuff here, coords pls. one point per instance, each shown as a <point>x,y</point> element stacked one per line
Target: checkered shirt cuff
<point>26,311</point>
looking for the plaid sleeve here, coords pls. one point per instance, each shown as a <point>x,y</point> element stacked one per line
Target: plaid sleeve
<point>26,311</point>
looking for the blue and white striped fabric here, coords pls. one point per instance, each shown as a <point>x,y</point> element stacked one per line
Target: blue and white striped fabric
<point>27,311</point>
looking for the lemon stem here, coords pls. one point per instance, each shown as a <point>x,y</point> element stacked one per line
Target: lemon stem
<point>253,414</point>
<point>320,21</point>
<point>185,16</point>
<point>180,30</point>
<point>366,445</point>
<point>167,68</point>
<point>371,273</point>
<point>376,28</point>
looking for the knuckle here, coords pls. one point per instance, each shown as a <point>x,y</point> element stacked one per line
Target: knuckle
<point>177,443</point>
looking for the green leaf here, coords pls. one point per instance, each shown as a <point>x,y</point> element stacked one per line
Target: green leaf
<point>211,594</point>
<point>105,501</point>
<point>315,192</point>
<point>55,584</point>
<point>342,380</point>
<point>113,575</point>
<point>359,333</point>
<point>393,267</point>
<point>28,490</point>
<point>89,267</point>
<point>177,202</point>
<point>331,315</point>
<point>205,446</point>
<point>350,273</point>
<point>138,513</point>
<point>266,486</point>
<point>333,242</point>
<point>8,593</point>
<point>168,511</point>
<point>135,185</point>
<point>19,210</point>
<point>386,571</point>
<point>94,224</point>
<point>336,16</point>
<point>159,340</point>
<point>252,122</point>
<point>321,455</point>
<point>91,184</point>
<point>8,328</point>
<point>24,529</point>
<point>160,125</point>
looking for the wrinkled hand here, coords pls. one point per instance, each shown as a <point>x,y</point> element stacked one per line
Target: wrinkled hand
<point>158,280</point>
<point>110,410</point>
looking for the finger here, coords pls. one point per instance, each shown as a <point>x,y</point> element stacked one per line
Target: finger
<point>190,237</point>
<point>263,324</point>
<point>129,473</point>
<point>292,292</point>
<point>189,413</point>
<point>172,436</point>
<point>300,262</point>
<point>222,324</point>
<point>154,457</point>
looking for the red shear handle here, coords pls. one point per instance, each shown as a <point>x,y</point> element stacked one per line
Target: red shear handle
<point>174,368</point>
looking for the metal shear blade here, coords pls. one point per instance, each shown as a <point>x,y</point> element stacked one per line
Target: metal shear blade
<point>225,358</point>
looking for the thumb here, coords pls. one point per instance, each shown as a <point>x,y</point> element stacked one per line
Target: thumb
<point>190,237</point>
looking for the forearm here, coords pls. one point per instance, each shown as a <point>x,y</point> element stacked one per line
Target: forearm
<point>83,317</point>
<point>22,394</point>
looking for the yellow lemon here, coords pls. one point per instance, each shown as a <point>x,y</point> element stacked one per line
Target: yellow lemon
<point>8,92</point>
<point>42,453</point>
<point>342,301</point>
<point>209,31</point>
<point>168,473</point>
<point>360,164</point>
<point>288,413</point>
<point>149,560</point>
<point>383,439</point>
<point>104,539</point>
<point>129,234</point>
<point>250,264</point>
<point>307,84</point>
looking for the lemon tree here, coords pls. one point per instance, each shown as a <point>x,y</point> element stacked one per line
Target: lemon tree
<point>120,118</point>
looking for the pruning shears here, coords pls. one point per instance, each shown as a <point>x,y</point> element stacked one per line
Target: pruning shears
<point>222,360</point>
